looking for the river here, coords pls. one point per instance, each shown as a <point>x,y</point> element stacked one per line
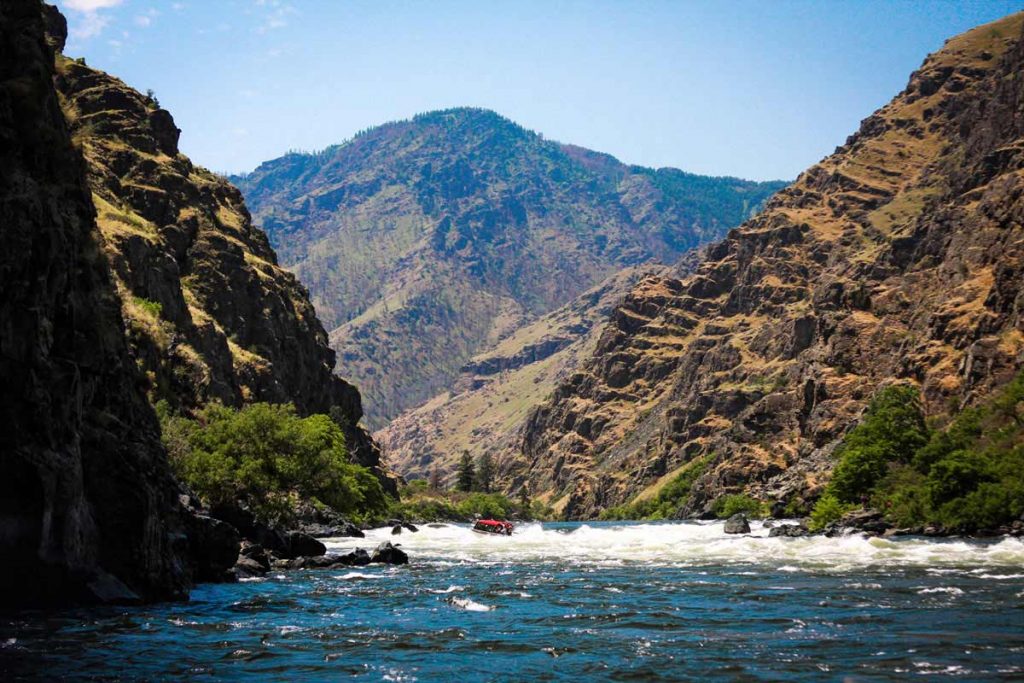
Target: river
<point>566,601</point>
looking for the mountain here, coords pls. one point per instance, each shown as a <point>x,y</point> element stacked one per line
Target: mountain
<point>210,314</point>
<point>897,257</point>
<point>424,242</point>
<point>130,277</point>
<point>486,407</point>
<point>88,507</point>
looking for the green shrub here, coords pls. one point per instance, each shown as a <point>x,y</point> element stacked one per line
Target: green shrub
<point>669,500</point>
<point>903,495</point>
<point>966,476</point>
<point>727,506</point>
<point>893,429</point>
<point>425,505</point>
<point>153,308</point>
<point>828,509</point>
<point>268,457</point>
<point>488,505</point>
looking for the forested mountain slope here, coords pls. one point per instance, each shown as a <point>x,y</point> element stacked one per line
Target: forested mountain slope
<point>424,242</point>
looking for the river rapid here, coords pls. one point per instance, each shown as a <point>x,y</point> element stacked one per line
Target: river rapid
<point>567,601</point>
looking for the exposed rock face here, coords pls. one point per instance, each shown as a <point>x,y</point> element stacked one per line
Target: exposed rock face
<point>485,410</point>
<point>210,314</point>
<point>423,242</point>
<point>899,256</point>
<point>214,547</point>
<point>88,507</point>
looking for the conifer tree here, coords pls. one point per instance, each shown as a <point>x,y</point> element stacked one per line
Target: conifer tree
<point>466,476</point>
<point>484,473</point>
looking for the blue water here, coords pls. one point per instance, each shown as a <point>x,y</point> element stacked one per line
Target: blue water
<point>569,602</point>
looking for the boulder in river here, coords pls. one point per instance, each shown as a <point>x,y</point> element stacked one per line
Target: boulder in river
<point>251,528</point>
<point>317,530</point>
<point>246,568</point>
<point>214,548</point>
<point>867,520</point>
<point>737,524</point>
<point>788,530</point>
<point>317,562</point>
<point>356,558</point>
<point>256,553</point>
<point>396,530</point>
<point>300,544</point>
<point>386,553</point>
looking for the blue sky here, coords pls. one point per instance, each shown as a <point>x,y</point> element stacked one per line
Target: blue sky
<point>748,88</point>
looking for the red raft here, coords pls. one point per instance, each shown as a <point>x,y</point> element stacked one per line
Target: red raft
<point>493,526</point>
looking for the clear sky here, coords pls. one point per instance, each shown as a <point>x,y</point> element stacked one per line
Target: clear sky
<point>750,88</point>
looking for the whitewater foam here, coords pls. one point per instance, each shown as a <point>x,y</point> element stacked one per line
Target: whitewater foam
<point>470,605</point>
<point>692,544</point>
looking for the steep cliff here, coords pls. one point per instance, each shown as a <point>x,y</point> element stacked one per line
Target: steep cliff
<point>899,256</point>
<point>424,242</point>
<point>211,315</point>
<point>88,508</point>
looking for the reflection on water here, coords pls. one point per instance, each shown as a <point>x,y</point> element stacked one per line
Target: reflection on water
<point>598,601</point>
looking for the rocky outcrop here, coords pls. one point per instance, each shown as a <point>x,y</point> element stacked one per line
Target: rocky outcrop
<point>424,242</point>
<point>486,408</point>
<point>213,548</point>
<point>899,256</point>
<point>211,315</point>
<point>88,508</point>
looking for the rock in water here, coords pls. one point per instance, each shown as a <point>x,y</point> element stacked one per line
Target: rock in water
<point>247,567</point>
<point>256,553</point>
<point>790,530</point>
<point>737,524</point>
<point>386,553</point>
<point>214,548</point>
<point>300,544</point>
<point>356,558</point>
<point>396,530</point>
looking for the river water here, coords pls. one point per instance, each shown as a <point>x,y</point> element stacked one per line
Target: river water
<point>598,601</point>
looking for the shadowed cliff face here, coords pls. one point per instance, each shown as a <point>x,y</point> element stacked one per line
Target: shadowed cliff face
<point>210,314</point>
<point>899,256</point>
<point>424,242</point>
<point>88,507</point>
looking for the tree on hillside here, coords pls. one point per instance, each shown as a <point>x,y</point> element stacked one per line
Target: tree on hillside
<point>466,475</point>
<point>484,473</point>
<point>892,430</point>
<point>524,499</point>
<point>434,481</point>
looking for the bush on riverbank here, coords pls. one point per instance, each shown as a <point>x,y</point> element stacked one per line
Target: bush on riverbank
<point>727,506</point>
<point>420,503</point>
<point>267,457</point>
<point>667,502</point>
<point>967,475</point>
